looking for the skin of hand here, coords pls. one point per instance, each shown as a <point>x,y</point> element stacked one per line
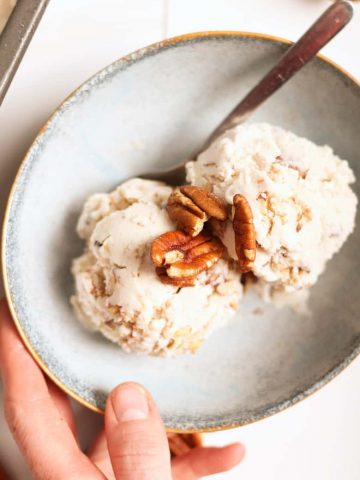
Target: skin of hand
<point>133,444</point>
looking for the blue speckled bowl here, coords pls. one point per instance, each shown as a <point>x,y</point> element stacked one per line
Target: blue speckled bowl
<point>146,111</point>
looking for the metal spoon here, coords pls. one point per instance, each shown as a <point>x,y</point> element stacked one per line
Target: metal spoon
<point>16,37</point>
<point>319,34</point>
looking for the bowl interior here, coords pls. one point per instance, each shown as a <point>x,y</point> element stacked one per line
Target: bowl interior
<point>150,111</point>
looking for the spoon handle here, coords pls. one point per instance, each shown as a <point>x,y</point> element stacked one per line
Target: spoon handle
<point>319,34</point>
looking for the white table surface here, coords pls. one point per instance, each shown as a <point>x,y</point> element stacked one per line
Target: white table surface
<point>316,439</point>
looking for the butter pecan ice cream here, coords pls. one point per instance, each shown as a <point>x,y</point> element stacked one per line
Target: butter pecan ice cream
<point>299,193</point>
<point>117,289</point>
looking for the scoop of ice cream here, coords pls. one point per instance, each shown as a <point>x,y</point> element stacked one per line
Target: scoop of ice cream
<point>303,206</point>
<point>117,290</point>
<point>100,205</point>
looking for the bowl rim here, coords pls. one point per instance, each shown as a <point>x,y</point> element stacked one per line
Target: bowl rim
<point>133,57</point>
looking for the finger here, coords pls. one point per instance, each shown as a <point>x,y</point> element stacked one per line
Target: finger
<point>39,429</point>
<point>135,434</point>
<point>99,455</point>
<point>204,461</point>
<point>62,403</point>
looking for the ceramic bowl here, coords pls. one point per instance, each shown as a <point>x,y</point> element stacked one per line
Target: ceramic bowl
<point>148,111</point>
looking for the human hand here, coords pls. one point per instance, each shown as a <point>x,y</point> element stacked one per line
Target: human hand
<point>133,444</point>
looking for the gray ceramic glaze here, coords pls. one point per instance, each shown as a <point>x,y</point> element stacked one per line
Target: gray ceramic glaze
<point>149,111</point>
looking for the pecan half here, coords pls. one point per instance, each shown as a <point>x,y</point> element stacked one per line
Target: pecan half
<point>217,227</point>
<point>180,444</point>
<point>210,203</point>
<point>190,207</point>
<point>180,258</point>
<point>245,242</point>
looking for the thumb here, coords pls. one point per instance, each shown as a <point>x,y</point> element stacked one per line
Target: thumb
<point>135,435</point>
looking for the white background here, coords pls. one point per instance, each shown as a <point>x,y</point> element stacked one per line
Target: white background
<point>316,439</point>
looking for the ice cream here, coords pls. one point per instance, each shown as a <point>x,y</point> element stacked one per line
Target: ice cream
<point>295,204</point>
<point>299,193</point>
<point>117,290</point>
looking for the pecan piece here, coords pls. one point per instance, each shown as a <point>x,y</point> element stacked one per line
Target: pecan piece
<point>245,242</point>
<point>171,246</point>
<point>210,203</point>
<point>180,444</point>
<point>190,207</point>
<point>180,258</point>
<point>177,282</point>
<point>183,211</point>
<point>217,227</point>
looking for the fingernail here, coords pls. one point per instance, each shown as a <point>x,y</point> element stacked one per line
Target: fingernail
<point>130,403</point>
